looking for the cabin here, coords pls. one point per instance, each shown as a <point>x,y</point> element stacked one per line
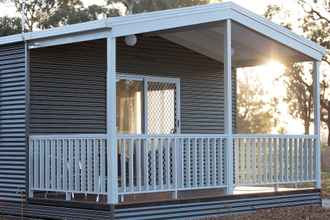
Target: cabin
<point>134,117</point>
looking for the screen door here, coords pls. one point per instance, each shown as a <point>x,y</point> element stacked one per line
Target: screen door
<point>162,104</point>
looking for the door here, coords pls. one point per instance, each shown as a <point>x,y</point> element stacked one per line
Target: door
<point>162,108</point>
<point>148,105</point>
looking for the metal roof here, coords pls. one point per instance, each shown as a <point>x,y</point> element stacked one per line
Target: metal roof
<point>174,18</point>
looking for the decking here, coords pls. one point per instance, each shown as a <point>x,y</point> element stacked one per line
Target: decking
<point>167,209</point>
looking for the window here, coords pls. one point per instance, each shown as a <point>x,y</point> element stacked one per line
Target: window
<point>148,105</point>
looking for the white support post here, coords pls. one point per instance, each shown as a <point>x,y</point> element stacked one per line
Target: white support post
<point>317,122</point>
<point>229,171</point>
<point>112,183</point>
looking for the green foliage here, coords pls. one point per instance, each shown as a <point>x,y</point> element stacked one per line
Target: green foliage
<point>138,6</point>
<point>271,11</point>
<point>43,14</point>
<point>10,25</point>
<point>255,114</point>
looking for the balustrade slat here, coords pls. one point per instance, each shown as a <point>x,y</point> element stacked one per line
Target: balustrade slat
<point>53,162</point>
<point>188,163</point>
<point>87,143</point>
<point>47,164</point>
<point>147,164</point>
<point>138,165</point>
<point>36,165</point>
<point>83,158</point>
<point>71,160</point>
<point>208,164</point>
<point>96,166</point>
<point>167,163</point>
<point>306,159</point>
<point>58,164</point>
<point>214,160</point>
<point>42,164</point>
<point>254,162</point>
<point>280,161</point>
<point>301,161</point>
<point>77,164</point>
<point>131,165</point>
<point>160,173</point>
<point>103,157</point>
<point>154,177</point>
<point>65,165</point>
<point>123,163</point>
<point>195,161</point>
<point>221,162</point>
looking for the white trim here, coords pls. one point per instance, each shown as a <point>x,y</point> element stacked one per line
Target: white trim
<point>229,171</point>
<point>68,39</point>
<point>317,122</point>
<point>68,136</point>
<point>175,18</point>
<point>111,122</point>
<point>98,25</point>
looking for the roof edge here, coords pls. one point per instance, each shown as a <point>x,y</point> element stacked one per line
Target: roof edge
<point>125,25</point>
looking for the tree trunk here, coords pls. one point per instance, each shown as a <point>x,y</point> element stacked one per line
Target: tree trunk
<point>306,126</point>
<point>328,124</point>
<point>328,134</point>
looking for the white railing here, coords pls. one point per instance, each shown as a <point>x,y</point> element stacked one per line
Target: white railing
<point>150,163</point>
<point>274,159</point>
<point>68,163</point>
<point>159,163</point>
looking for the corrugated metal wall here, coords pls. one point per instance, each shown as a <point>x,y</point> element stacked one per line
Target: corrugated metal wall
<point>67,89</point>
<point>12,122</point>
<point>68,84</point>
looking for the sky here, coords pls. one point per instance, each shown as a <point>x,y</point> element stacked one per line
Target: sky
<point>265,74</point>
<point>257,6</point>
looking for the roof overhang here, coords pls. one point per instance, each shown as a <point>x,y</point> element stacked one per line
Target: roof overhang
<point>167,20</point>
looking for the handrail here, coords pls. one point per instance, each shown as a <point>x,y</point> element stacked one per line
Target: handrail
<point>119,135</point>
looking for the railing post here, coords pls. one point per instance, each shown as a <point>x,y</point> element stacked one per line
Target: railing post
<point>229,163</point>
<point>317,112</point>
<point>31,173</point>
<point>112,172</point>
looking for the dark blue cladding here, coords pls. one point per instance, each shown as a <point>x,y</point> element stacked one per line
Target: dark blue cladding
<point>12,122</point>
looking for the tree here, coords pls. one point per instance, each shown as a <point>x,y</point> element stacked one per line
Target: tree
<point>254,113</point>
<point>43,14</point>
<point>298,80</point>
<point>10,25</point>
<point>299,87</point>
<point>138,6</point>
<point>316,25</point>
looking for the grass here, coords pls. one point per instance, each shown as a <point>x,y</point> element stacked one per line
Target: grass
<point>326,184</point>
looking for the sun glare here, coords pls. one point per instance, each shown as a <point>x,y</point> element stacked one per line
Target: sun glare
<point>273,66</point>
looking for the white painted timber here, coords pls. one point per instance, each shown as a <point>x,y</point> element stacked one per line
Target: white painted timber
<point>269,163</point>
<point>111,121</point>
<point>228,109</point>
<point>317,121</point>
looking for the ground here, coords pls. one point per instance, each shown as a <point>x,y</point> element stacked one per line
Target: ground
<point>296,213</point>
<point>293,213</point>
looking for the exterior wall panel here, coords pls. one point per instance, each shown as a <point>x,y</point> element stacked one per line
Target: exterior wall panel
<point>12,122</point>
<point>68,84</point>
